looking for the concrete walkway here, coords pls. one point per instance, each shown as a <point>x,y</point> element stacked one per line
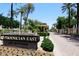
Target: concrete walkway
<point>64,45</point>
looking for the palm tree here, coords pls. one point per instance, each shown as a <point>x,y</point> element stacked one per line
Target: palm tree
<point>11,14</point>
<point>11,11</point>
<point>22,11</point>
<point>68,7</point>
<point>30,9</point>
<point>77,18</point>
<point>76,15</point>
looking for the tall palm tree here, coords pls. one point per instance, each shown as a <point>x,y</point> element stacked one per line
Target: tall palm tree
<point>30,9</point>
<point>77,18</point>
<point>68,7</point>
<point>11,14</point>
<point>77,15</point>
<point>22,11</point>
<point>11,11</point>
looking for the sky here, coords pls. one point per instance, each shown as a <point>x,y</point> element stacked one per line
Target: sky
<point>44,12</point>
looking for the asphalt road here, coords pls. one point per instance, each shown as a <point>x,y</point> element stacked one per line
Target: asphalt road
<point>65,45</point>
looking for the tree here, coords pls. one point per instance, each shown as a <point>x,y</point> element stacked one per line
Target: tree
<point>11,11</point>
<point>76,15</point>
<point>11,15</point>
<point>62,23</point>
<point>6,22</point>
<point>30,9</point>
<point>22,11</point>
<point>77,18</point>
<point>68,7</point>
<point>15,24</point>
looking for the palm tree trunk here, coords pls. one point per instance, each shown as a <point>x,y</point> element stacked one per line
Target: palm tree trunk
<point>11,15</point>
<point>77,18</point>
<point>26,22</point>
<point>20,26</point>
<point>27,16</point>
<point>69,17</point>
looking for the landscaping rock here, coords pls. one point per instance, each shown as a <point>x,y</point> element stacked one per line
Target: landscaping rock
<point>14,51</point>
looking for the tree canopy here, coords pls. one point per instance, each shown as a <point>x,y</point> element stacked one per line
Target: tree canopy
<point>63,23</point>
<point>6,22</point>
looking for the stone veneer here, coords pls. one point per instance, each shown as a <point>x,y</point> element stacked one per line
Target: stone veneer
<point>21,40</point>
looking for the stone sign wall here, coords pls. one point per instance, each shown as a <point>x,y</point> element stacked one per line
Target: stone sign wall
<point>22,41</point>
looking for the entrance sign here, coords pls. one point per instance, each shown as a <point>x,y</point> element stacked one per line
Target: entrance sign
<point>21,40</point>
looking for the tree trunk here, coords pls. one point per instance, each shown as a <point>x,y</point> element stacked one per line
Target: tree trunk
<point>68,30</point>
<point>26,22</point>
<point>20,26</point>
<point>27,17</point>
<point>69,17</point>
<point>77,18</point>
<point>11,15</point>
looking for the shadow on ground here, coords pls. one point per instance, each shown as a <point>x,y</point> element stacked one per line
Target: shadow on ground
<point>57,33</point>
<point>70,38</point>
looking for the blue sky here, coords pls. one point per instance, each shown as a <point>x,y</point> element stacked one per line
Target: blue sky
<point>44,12</point>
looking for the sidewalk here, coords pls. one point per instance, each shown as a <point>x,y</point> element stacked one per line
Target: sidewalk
<point>56,50</point>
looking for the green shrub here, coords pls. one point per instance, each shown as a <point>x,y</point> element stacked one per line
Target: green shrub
<point>47,45</point>
<point>43,33</point>
<point>6,30</point>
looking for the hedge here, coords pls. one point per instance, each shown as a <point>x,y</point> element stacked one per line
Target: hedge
<point>47,45</point>
<point>43,33</point>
